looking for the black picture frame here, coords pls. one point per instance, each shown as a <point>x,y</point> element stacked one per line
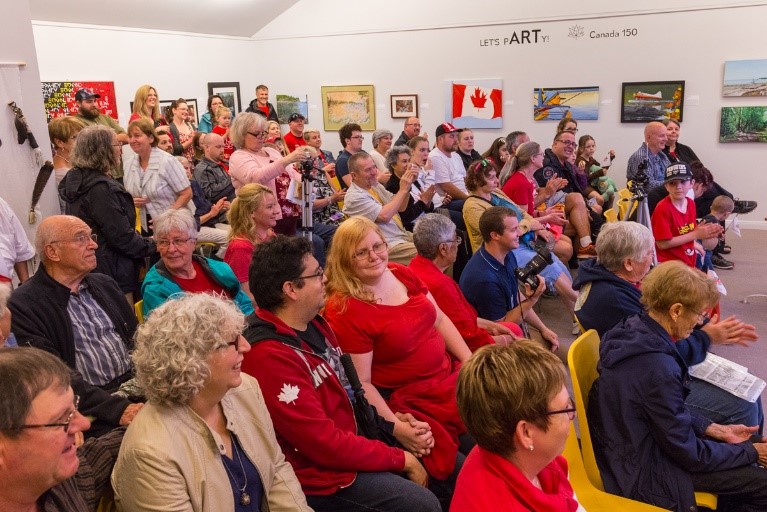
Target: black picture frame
<point>229,92</point>
<point>642,102</point>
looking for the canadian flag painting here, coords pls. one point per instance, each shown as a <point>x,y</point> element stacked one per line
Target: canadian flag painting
<point>475,103</point>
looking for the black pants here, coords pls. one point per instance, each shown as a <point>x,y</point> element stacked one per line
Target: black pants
<point>741,489</point>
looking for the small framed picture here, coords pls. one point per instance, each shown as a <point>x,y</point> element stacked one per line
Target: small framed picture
<point>652,101</point>
<point>230,94</point>
<point>404,105</point>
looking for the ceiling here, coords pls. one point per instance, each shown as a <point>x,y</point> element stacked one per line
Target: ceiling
<point>236,18</point>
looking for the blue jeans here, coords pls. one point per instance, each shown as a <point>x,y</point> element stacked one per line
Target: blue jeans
<point>380,492</point>
<point>524,253</point>
<point>722,407</point>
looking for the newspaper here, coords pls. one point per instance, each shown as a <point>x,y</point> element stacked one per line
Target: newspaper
<point>729,376</point>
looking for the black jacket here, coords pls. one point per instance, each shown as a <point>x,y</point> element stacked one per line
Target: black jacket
<point>40,319</point>
<point>105,205</point>
<point>272,116</point>
<point>553,167</point>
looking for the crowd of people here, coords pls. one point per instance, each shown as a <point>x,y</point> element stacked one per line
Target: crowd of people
<point>358,332</point>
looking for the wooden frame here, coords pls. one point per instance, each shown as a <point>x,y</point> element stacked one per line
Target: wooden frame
<point>404,106</point>
<point>342,104</point>
<point>229,92</point>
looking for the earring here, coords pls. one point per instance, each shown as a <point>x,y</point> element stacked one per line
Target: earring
<point>531,447</point>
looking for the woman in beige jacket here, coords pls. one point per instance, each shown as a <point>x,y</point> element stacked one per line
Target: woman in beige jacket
<point>204,442</point>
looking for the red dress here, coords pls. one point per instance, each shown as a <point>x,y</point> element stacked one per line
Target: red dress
<point>520,190</point>
<point>409,357</point>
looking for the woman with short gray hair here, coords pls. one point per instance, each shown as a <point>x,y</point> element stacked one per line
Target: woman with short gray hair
<point>91,194</point>
<point>382,140</point>
<point>398,161</point>
<point>204,440</point>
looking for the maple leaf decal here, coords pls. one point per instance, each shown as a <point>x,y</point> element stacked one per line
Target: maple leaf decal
<point>288,394</point>
<point>479,98</point>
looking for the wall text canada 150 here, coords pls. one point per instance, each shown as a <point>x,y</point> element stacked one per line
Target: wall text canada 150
<point>624,32</point>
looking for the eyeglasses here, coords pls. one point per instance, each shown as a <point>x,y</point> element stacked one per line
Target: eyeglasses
<point>379,248</point>
<point>570,143</point>
<point>570,411</point>
<point>259,135</point>
<point>117,145</point>
<point>701,317</point>
<point>234,343</point>
<point>360,137</point>
<point>413,124</point>
<point>81,239</point>
<point>319,273</point>
<point>457,240</point>
<point>178,242</point>
<point>64,424</point>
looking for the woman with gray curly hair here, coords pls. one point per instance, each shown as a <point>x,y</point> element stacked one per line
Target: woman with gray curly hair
<point>91,194</point>
<point>382,140</point>
<point>204,441</point>
<point>398,161</point>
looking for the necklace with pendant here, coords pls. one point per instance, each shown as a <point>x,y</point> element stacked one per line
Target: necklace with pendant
<point>244,496</point>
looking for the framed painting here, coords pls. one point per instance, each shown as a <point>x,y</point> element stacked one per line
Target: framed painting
<point>743,124</point>
<point>229,92</point>
<point>642,102</point>
<point>745,78</point>
<point>287,104</point>
<point>404,106</point>
<point>555,103</point>
<point>194,114</point>
<point>343,104</point>
<point>474,103</point>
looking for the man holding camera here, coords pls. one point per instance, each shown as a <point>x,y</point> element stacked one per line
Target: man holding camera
<point>489,280</point>
<point>650,156</point>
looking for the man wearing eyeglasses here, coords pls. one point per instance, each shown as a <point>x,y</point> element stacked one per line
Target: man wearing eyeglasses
<point>80,316</point>
<point>297,361</point>
<point>556,166</point>
<point>410,130</point>
<point>40,424</point>
<point>368,198</point>
<point>351,139</point>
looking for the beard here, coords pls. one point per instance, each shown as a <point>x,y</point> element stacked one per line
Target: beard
<point>91,113</point>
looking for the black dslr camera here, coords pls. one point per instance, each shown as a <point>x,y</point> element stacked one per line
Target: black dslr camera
<point>529,273</point>
<point>639,185</point>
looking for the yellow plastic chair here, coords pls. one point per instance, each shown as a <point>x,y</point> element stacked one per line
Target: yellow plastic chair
<point>624,197</point>
<point>139,309</point>
<point>582,360</point>
<point>591,498</point>
<point>611,215</point>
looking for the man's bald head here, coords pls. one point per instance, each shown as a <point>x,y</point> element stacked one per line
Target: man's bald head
<point>655,136</point>
<point>56,227</point>
<point>213,146</point>
<point>66,248</point>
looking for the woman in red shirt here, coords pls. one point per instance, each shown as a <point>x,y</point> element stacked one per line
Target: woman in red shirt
<point>399,339</point>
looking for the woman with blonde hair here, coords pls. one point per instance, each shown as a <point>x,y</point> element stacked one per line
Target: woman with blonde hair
<point>204,440</point>
<point>146,105</point>
<point>404,347</point>
<point>252,217</point>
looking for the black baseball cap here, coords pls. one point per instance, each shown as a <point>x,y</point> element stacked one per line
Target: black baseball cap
<point>295,116</point>
<point>86,94</point>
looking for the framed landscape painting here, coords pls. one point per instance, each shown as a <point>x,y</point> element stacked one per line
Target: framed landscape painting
<point>343,104</point>
<point>642,102</point>
<point>555,103</point>
<point>745,78</point>
<point>743,124</point>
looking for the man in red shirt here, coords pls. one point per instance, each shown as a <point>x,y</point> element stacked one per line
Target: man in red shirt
<point>295,136</point>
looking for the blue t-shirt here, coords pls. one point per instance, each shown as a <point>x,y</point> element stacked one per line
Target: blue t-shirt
<point>489,286</point>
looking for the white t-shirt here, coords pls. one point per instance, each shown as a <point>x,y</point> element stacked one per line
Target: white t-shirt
<point>447,170</point>
<point>14,244</point>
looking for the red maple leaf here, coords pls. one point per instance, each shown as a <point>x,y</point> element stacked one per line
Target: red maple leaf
<point>478,99</point>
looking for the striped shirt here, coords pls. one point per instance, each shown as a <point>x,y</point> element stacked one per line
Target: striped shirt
<point>100,354</point>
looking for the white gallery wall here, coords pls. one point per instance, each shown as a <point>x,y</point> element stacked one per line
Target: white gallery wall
<point>328,42</point>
